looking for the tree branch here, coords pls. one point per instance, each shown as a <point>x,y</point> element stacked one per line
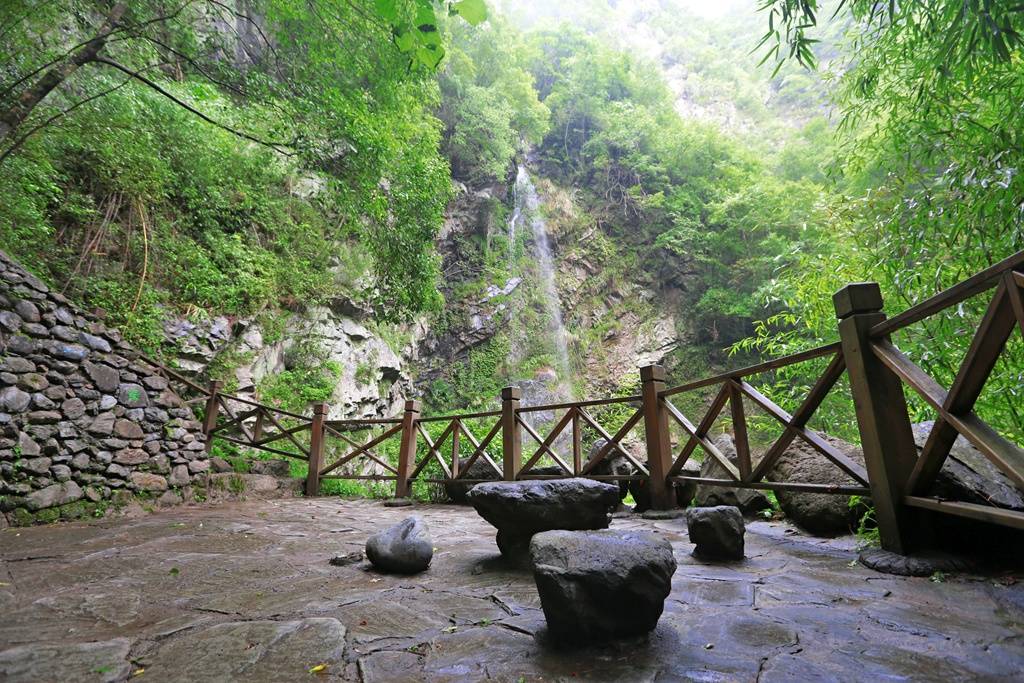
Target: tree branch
<point>20,141</point>
<point>15,115</point>
<point>279,147</point>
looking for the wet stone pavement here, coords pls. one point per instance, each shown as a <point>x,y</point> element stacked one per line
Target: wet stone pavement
<point>245,591</point>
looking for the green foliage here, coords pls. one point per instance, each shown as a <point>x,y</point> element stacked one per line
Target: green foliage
<point>680,193</point>
<point>488,101</point>
<point>867,526</point>
<point>415,30</point>
<point>928,193</point>
<point>323,142</point>
<point>942,35</point>
<point>475,382</point>
<point>308,378</point>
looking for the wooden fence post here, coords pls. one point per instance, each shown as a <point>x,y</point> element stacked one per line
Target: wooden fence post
<point>656,434</point>
<point>316,449</point>
<point>511,436</point>
<point>210,416</point>
<point>885,433</point>
<point>407,450</point>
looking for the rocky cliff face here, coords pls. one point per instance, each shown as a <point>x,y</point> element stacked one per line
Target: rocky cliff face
<point>82,420</point>
<point>615,321</point>
<point>373,377</point>
<point>473,314</point>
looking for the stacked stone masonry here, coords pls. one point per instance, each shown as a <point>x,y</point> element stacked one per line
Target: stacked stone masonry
<point>83,423</point>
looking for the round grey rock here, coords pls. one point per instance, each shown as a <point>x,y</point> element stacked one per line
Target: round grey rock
<point>405,548</point>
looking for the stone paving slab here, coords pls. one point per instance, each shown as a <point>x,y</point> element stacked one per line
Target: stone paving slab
<point>244,591</point>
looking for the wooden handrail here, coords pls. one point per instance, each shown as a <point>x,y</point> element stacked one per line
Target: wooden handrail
<point>1006,455</point>
<point>335,424</point>
<point>876,369</point>
<point>579,404</point>
<point>986,279</point>
<point>461,416</point>
<point>774,364</point>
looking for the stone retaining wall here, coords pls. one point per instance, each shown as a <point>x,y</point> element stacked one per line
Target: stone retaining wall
<point>83,424</point>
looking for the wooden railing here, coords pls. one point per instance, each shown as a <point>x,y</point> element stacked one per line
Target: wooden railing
<point>878,370</point>
<point>733,388</point>
<point>893,475</point>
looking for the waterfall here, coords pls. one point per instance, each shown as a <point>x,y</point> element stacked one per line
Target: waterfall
<point>527,207</point>
<point>517,215</point>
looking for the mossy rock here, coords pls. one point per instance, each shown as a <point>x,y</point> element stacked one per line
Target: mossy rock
<point>22,517</point>
<point>77,510</point>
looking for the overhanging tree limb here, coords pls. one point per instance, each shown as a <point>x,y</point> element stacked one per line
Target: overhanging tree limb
<point>62,113</point>
<point>16,114</point>
<point>280,147</point>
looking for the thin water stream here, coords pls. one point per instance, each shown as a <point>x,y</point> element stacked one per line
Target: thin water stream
<point>527,208</point>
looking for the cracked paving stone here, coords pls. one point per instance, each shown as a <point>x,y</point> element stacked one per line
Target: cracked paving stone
<point>250,650</point>
<point>59,661</point>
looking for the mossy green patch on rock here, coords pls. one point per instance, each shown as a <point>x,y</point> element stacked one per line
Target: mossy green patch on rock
<point>81,509</point>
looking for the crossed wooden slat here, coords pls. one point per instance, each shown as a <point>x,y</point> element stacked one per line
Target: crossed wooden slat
<point>955,407</point>
<point>545,443</point>
<point>480,450</point>
<point>361,449</point>
<point>733,391</point>
<point>577,416</point>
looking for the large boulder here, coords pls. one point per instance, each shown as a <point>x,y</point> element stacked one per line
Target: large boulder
<point>749,501</point>
<point>717,532</point>
<point>822,514</point>
<point>966,476</point>
<point>520,509</point>
<point>404,548</point>
<point>614,463</point>
<point>685,491</point>
<point>596,585</point>
<point>456,489</point>
<point>969,476</point>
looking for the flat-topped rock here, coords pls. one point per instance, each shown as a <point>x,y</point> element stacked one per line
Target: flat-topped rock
<point>597,585</point>
<point>520,509</point>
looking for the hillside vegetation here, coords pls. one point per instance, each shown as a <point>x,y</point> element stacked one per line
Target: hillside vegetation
<point>247,159</point>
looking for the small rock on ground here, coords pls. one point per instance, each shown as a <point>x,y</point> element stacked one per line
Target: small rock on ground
<point>717,532</point>
<point>345,560</point>
<point>405,548</point>
<point>912,565</point>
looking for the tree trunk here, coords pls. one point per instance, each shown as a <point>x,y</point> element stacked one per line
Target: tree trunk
<point>27,101</point>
